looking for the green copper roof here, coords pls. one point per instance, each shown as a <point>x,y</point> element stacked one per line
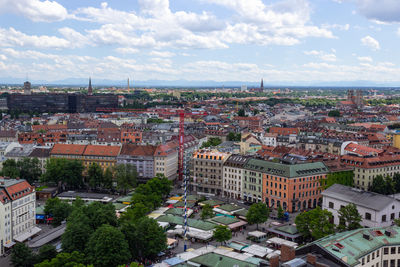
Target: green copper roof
<point>290,229</point>
<point>179,220</point>
<point>224,220</point>
<point>229,207</point>
<point>216,260</point>
<point>350,246</point>
<point>286,170</point>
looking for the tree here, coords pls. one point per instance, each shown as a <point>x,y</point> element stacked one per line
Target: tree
<point>108,178</point>
<point>29,169</point>
<point>383,185</point>
<point>234,137</point>
<point>21,256</point>
<point>58,209</point>
<point>258,213</point>
<point>281,213</point>
<point>95,175</point>
<point>334,113</point>
<point>47,252</point>
<point>315,223</point>
<point>145,238</point>
<point>10,168</point>
<point>378,185</point>
<point>99,214</point>
<point>241,113</point>
<point>134,213</point>
<point>206,212</point>
<point>213,141</point>
<point>343,177</point>
<point>64,259</point>
<point>349,217</point>
<point>107,247</point>
<point>126,177</point>
<point>396,180</point>
<point>64,171</point>
<point>222,233</point>
<point>77,232</point>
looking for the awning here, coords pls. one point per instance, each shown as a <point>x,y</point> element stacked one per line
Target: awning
<point>29,233</point>
<point>9,244</point>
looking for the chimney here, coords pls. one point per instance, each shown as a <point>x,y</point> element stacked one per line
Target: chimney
<point>274,261</point>
<point>311,259</point>
<point>287,253</point>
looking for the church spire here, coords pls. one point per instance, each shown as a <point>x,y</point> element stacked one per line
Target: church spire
<point>262,84</point>
<point>90,89</point>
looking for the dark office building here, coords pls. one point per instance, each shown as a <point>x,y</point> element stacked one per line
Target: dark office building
<point>60,102</point>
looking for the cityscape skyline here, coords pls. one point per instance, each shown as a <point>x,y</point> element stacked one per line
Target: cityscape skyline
<point>283,42</point>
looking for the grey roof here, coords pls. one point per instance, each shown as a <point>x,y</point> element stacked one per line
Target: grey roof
<point>22,151</point>
<point>366,199</point>
<point>237,161</point>
<point>287,170</point>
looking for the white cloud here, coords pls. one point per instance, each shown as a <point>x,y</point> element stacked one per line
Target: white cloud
<point>3,57</point>
<point>162,54</point>
<point>322,55</point>
<point>365,59</point>
<point>12,37</point>
<point>75,38</point>
<point>371,43</point>
<point>127,50</point>
<point>35,10</point>
<point>398,32</point>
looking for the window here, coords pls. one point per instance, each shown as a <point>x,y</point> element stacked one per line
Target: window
<point>383,218</point>
<point>368,258</point>
<point>385,251</point>
<point>393,250</point>
<point>385,263</point>
<point>368,216</point>
<point>392,216</point>
<point>331,205</point>
<point>392,263</point>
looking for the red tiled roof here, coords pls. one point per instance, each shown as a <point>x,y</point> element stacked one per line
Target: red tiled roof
<point>362,150</point>
<point>136,150</point>
<point>92,150</point>
<point>67,149</point>
<point>19,190</point>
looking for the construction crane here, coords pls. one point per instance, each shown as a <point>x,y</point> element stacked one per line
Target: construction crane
<point>182,169</point>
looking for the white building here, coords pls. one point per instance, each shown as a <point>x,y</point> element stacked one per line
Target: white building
<point>17,212</point>
<point>376,210</point>
<point>269,139</point>
<point>233,176</point>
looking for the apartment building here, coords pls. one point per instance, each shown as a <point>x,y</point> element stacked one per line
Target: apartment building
<point>207,177</point>
<point>376,210</point>
<point>233,176</point>
<point>166,160</point>
<point>368,167</point>
<point>17,212</point>
<point>142,157</point>
<point>294,187</point>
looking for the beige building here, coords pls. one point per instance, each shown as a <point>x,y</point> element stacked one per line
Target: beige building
<point>233,176</point>
<point>367,168</point>
<point>166,160</point>
<point>207,172</point>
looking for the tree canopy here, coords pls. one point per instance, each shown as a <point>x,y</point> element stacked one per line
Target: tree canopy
<point>213,141</point>
<point>145,238</point>
<point>125,176</point>
<point>349,217</point>
<point>222,233</point>
<point>64,171</point>
<point>258,213</point>
<point>107,247</point>
<point>315,223</point>
<point>206,212</point>
<point>383,185</point>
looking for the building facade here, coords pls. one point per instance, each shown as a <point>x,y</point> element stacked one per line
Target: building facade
<point>233,176</point>
<point>376,210</point>
<point>17,212</point>
<point>207,172</point>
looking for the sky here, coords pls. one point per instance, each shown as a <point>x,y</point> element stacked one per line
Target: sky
<point>200,40</point>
